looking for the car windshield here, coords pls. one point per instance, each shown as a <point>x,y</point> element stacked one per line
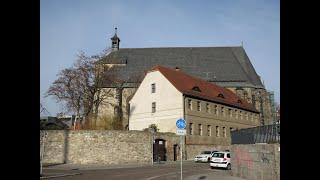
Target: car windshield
<point>218,155</point>
<point>206,152</point>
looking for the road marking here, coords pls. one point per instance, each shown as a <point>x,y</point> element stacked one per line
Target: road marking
<point>172,173</point>
<point>153,177</point>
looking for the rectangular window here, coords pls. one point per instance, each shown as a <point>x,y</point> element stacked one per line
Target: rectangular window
<point>236,113</point>
<point>222,111</point>
<point>224,132</point>
<point>209,130</point>
<point>154,107</point>
<point>240,113</point>
<point>191,129</point>
<point>217,131</point>
<point>207,108</point>
<point>230,112</point>
<point>200,129</point>
<point>189,104</point>
<point>153,88</point>
<point>198,105</point>
<point>215,109</point>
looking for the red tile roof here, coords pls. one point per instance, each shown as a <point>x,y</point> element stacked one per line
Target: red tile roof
<point>190,86</point>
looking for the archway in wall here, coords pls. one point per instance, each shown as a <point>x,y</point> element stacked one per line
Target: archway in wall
<point>159,150</point>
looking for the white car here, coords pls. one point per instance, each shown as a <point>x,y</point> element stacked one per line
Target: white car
<point>205,156</point>
<point>221,159</point>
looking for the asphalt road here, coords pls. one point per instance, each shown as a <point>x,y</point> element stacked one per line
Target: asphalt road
<point>191,171</point>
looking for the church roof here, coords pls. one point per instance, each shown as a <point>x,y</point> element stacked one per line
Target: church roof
<point>225,66</point>
<point>199,88</point>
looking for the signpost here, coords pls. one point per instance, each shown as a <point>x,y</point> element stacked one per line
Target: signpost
<point>181,131</point>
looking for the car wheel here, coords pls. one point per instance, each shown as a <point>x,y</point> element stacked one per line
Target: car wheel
<point>229,167</point>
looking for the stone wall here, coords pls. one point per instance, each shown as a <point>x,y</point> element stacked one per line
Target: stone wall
<point>171,140</point>
<point>256,161</point>
<point>103,147</point>
<point>98,147</point>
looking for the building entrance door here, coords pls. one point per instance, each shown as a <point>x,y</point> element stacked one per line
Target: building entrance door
<point>159,150</point>
<point>175,152</point>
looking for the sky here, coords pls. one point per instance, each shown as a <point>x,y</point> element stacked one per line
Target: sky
<point>70,26</point>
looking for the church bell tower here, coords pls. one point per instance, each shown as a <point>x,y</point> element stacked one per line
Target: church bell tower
<point>115,41</point>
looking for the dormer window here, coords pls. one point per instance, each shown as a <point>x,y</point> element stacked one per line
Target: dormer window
<point>196,88</point>
<point>221,95</point>
<point>239,101</point>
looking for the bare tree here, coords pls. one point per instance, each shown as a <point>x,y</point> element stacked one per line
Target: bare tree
<point>79,87</point>
<point>43,109</point>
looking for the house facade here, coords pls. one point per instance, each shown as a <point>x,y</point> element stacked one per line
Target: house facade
<point>210,111</point>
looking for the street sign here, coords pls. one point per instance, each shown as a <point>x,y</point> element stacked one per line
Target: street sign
<point>181,123</point>
<point>181,132</point>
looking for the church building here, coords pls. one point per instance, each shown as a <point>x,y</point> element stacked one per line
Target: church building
<point>228,67</point>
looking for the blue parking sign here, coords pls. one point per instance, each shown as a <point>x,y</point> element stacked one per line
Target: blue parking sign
<point>181,123</point>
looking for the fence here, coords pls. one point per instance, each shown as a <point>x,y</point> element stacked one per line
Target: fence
<point>260,134</point>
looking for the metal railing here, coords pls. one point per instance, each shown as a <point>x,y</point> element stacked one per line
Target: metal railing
<point>260,134</point>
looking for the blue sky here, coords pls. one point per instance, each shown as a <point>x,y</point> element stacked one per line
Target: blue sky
<point>68,26</point>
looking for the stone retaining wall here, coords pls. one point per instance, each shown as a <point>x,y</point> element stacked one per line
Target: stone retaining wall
<point>98,147</point>
<point>256,161</point>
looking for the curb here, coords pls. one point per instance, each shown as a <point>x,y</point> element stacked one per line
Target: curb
<point>62,175</point>
<point>101,167</point>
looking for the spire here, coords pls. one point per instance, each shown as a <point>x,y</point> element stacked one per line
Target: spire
<point>115,41</point>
